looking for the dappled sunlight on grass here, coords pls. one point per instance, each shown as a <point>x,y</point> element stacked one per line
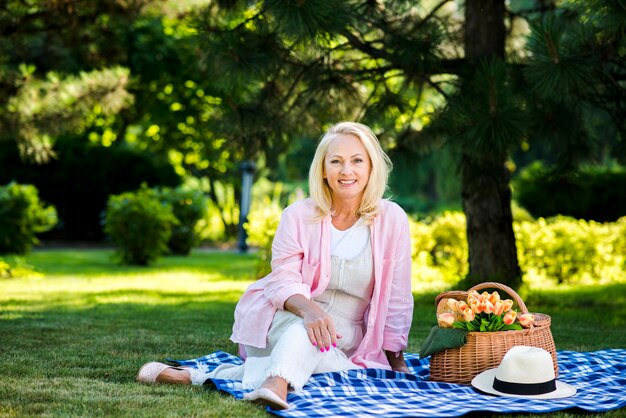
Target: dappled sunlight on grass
<point>94,263</point>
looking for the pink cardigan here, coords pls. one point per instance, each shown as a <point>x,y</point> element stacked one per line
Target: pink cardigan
<point>301,265</point>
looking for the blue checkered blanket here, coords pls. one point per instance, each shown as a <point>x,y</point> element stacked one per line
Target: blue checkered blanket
<point>599,377</point>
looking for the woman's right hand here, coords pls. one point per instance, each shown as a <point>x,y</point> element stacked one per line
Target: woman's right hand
<point>318,324</point>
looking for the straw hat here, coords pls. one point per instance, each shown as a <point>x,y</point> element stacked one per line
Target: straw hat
<point>525,372</point>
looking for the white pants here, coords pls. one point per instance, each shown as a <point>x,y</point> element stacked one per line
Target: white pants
<point>289,354</point>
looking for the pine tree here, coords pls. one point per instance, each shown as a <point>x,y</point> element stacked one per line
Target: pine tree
<point>57,64</point>
<point>285,65</point>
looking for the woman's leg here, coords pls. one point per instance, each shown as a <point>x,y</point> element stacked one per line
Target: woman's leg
<point>294,359</point>
<point>174,375</point>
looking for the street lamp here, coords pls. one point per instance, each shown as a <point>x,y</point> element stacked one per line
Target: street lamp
<point>247,171</point>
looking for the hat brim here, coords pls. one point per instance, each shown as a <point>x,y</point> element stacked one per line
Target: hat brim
<point>484,383</point>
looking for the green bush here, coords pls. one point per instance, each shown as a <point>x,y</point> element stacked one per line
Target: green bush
<point>189,207</point>
<point>593,193</point>
<point>559,249</point>
<point>79,182</point>
<point>267,206</point>
<point>261,228</point>
<point>22,216</point>
<point>140,225</point>
<point>16,266</point>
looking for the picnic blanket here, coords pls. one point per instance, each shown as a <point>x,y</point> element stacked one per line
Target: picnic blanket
<point>599,377</point>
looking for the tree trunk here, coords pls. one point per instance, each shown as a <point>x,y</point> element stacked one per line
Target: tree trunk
<point>485,179</point>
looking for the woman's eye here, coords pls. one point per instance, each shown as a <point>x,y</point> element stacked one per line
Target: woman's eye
<point>334,161</point>
<point>358,160</point>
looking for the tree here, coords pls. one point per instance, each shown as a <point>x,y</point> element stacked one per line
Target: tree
<point>57,65</point>
<point>499,89</point>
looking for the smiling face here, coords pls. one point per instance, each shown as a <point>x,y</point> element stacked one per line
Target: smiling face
<point>347,168</point>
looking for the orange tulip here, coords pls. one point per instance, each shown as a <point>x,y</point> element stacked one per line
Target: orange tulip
<point>488,306</point>
<point>468,315</point>
<point>509,317</point>
<point>463,306</point>
<point>453,304</point>
<point>494,297</point>
<point>508,304</point>
<point>478,307</point>
<point>498,308</point>
<point>446,319</point>
<point>526,319</point>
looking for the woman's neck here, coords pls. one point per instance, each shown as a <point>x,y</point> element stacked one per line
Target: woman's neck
<point>344,217</point>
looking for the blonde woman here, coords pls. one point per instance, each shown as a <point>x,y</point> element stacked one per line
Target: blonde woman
<point>339,294</point>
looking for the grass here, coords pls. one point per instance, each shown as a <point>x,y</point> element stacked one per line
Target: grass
<point>73,337</point>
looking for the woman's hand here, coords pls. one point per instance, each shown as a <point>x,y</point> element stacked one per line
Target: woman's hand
<point>318,324</point>
<point>396,361</point>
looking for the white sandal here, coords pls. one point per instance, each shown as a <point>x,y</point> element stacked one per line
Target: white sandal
<point>266,397</point>
<point>150,371</point>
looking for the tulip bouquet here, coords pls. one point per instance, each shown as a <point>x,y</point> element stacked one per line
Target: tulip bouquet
<point>483,312</point>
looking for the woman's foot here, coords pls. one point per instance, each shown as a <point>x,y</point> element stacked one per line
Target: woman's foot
<point>174,375</point>
<point>278,385</point>
<point>272,393</point>
<point>162,373</point>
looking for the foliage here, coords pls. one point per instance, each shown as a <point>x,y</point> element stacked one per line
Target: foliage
<point>593,193</point>
<point>79,181</point>
<point>22,217</point>
<point>58,62</point>
<point>15,266</point>
<point>566,250</point>
<point>45,109</point>
<point>189,207</point>
<point>261,227</point>
<point>402,69</point>
<point>140,225</point>
<point>440,247</point>
<point>263,221</point>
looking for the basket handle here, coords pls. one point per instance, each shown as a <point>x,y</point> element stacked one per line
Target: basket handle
<point>506,289</point>
<point>458,294</point>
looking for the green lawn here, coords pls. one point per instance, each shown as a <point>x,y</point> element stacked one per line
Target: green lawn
<point>73,337</point>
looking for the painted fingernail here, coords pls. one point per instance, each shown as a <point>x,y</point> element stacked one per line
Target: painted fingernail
<point>328,348</point>
<point>335,345</point>
<point>322,349</point>
<point>314,344</point>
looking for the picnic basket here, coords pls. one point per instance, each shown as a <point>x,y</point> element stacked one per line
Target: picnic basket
<point>485,350</point>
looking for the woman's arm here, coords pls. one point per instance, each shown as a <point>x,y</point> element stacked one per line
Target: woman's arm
<point>400,303</point>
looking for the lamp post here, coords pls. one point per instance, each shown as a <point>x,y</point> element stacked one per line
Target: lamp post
<point>247,172</point>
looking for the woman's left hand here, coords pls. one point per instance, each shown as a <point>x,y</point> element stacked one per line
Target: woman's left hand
<point>396,361</point>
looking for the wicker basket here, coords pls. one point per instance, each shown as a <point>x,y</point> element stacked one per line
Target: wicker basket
<point>485,350</point>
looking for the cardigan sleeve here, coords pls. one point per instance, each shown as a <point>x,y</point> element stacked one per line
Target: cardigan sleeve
<point>400,308</point>
<point>286,280</point>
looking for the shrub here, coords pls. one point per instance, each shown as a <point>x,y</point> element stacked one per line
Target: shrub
<point>261,228</point>
<point>561,249</point>
<point>593,193</point>
<point>140,225</point>
<point>16,266</point>
<point>79,182</point>
<point>189,206</point>
<point>22,216</point>
<point>263,219</point>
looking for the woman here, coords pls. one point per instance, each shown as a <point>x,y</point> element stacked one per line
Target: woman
<point>339,294</point>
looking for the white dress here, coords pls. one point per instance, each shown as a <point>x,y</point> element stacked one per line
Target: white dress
<point>289,352</point>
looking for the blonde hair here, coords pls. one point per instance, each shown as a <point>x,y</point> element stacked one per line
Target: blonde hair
<point>381,165</point>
